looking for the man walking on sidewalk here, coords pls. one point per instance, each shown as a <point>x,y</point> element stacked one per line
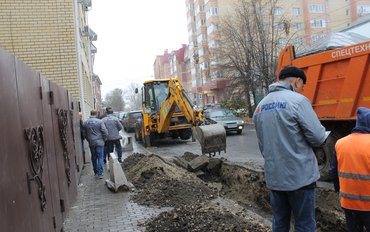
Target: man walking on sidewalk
<point>114,139</point>
<point>287,129</point>
<point>96,133</point>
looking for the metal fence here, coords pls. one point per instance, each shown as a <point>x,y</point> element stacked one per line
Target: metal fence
<point>40,149</point>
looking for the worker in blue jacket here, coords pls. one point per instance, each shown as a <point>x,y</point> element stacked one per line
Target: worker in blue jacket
<point>287,129</point>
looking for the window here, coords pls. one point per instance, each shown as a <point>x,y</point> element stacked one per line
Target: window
<point>281,41</point>
<point>211,12</point>
<point>347,12</point>
<point>364,9</point>
<point>204,65</point>
<point>262,11</point>
<point>317,37</point>
<point>279,11</point>
<point>190,7</point>
<point>279,26</point>
<point>316,8</point>
<point>318,23</point>
<point>200,8</point>
<point>213,27</point>
<point>296,11</point>
<point>214,44</point>
<point>297,26</point>
<point>201,38</point>
<point>201,22</point>
<point>298,41</point>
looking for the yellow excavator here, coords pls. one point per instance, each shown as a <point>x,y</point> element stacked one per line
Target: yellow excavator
<point>168,111</point>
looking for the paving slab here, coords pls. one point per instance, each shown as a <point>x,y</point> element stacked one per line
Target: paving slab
<point>98,209</point>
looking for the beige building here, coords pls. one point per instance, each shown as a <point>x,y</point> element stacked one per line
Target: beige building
<point>203,17</point>
<point>53,37</point>
<point>312,20</point>
<point>308,21</point>
<point>174,65</point>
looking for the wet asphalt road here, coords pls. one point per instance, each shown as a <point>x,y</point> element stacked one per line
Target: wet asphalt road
<point>239,148</point>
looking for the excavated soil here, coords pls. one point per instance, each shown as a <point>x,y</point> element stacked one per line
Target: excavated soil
<point>159,182</point>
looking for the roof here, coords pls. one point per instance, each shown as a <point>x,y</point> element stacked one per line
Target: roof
<point>333,41</point>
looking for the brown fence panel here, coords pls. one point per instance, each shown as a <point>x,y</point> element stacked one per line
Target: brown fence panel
<point>61,126</point>
<point>40,148</point>
<point>76,136</point>
<point>54,196</point>
<point>13,181</point>
<point>32,162</point>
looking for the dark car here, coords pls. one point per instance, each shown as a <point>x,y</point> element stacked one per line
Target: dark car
<point>226,118</point>
<point>130,120</point>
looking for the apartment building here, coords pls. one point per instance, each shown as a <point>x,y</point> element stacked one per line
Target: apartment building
<point>203,17</point>
<point>308,21</point>
<point>53,37</point>
<point>174,65</point>
<point>313,20</point>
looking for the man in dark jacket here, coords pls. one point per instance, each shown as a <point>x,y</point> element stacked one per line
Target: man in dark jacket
<point>96,133</point>
<point>114,138</point>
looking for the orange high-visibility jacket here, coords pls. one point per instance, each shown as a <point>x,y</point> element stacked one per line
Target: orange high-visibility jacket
<point>353,154</point>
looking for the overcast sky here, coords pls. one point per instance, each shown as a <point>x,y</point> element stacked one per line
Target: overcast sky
<point>131,34</point>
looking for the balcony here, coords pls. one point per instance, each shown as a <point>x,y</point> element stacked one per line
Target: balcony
<point>216,84</point>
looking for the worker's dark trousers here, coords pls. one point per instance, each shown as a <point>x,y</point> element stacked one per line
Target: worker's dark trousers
<point>110,147</point>
<point>357,220</point>
<point>300,202</point>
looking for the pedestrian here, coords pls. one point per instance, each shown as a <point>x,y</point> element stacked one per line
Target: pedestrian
<point>287,129</point>
<point>114,138</point>
<point>353,158</point>
<point>82,131</point>
<point>96,134</point>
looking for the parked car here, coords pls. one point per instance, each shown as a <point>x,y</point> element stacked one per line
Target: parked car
<point>121,116</point>
<point>226,118</point>
<point>130,120</point>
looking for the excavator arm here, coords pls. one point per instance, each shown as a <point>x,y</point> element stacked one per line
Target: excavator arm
<point>212,138</point>
<point>177,97</point>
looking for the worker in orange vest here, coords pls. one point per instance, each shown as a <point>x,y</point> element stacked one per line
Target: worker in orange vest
<point>353,156</point>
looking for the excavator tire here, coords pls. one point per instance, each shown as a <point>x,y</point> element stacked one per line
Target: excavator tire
<point>212,138</point>
<point>185,134</point>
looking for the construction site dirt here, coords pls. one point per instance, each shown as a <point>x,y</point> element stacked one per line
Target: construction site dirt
<point>211,194</point>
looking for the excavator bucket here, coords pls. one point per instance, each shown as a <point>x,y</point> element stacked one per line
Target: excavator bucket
<point>212,138</point>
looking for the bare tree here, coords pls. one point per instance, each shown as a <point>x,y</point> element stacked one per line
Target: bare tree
<point>251,37</point>
<point>133,99</point>
<point>115,100</point>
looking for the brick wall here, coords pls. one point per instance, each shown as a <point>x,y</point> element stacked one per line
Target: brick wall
<point>42,34</point>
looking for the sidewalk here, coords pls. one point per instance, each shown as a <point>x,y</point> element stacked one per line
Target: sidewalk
<point>98,209</point>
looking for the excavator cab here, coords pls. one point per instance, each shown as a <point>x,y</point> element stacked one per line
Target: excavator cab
<point>168,110</point>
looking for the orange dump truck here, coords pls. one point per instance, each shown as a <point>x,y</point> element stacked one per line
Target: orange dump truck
<point>338,82</point>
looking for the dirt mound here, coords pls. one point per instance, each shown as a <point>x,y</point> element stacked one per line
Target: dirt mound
<point>160,182</point>
<point>248,187</point>
<point>202,218</point>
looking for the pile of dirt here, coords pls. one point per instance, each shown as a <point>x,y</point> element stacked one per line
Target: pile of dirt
<point>202,218</point>
<point>248,188</point>
<point>162,183</point>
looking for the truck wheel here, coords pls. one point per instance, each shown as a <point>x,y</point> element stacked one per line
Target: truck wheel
<point>146,141</point>
<point>239,132</point>
<point>324,155</point>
